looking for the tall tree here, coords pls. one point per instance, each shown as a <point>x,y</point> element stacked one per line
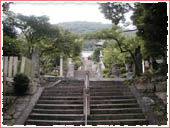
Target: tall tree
<point>122,43</point>
<point>115,11</point>
<point>151,22</point>
<point>35,29</point>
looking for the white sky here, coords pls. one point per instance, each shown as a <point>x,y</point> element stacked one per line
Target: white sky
<point>64,12</point>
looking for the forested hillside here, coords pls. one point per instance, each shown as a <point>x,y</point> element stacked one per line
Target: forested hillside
<point>80,27</point>
<point>84,27</point>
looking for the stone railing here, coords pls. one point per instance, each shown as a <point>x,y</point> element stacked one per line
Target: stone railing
<point>86,97</point>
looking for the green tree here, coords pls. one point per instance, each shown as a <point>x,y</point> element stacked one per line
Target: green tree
<point>35,29</point>
<point>125,45</point>
<point>115,11</point>
<point>151,22</point>
<point>9,19</point>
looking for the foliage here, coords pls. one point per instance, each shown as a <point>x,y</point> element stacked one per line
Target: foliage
<point>118,46</point>
<point>77,61</point>
<point>21,83</point>
<point>89,45</point>
<point>151,22</point>
<point>115,11</point>
<point>11,47</point>
<point>123,70</point>
<point>9,19</point>
<point>96,54</point>
<point>81,27</point>
<point>35,29</point>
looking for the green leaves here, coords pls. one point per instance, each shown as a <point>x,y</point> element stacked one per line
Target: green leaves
<point>115,11</point>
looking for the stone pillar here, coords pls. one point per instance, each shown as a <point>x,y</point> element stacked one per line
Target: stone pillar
<point>70,71</point>
<point>100,70</point>
<point>36,62</point>
<point>100,65</point>
<point>61,66</point>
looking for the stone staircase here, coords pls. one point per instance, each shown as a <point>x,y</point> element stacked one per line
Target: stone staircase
<point>111,103</point>
<point>59,105</point>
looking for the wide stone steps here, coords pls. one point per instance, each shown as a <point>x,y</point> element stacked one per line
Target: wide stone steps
<point>54,122</point>
<point>118,122</point>
<point>79,101</point>
<point>116,116</point>
<point>61,94</point>
<point>111,103</point>
<point>38,116</point>
<point>57,111</point>
<point>61,98</point>
<point>115,110</point>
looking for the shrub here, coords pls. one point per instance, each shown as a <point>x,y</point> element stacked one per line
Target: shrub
<point>124,75</point>
<point>106,70</point>
<point>123,70</point>
<point>112,76</point>
<point>21,83</point>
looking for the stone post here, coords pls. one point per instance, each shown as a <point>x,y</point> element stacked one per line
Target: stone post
<point>36,62</point>
<point>100,65</point>
<point>61,66</point>
<point>70,71</point>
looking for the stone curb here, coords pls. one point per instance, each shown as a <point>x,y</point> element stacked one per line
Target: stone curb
<point>21,120</point>
<point>145,108</point>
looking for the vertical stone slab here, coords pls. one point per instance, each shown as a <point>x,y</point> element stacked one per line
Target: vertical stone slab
<point>22,64</point>
<point>26,67</point>
<point>70,67</point>
<point>15,64</point>
<point>5,65</point>
<point>10,66</point>
<point>36,62</point>
<point>61,66</point>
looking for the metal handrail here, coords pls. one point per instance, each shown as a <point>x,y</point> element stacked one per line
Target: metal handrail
<point>86,96</point>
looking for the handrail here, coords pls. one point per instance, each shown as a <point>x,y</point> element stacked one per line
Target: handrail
<point>86,97</point>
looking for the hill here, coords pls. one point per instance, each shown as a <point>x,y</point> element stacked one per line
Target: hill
<point>84,27</point>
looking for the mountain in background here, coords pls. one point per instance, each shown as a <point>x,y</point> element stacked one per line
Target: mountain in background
<point>83,26</point>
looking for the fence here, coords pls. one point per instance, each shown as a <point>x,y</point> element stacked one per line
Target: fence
<point>12,65</point>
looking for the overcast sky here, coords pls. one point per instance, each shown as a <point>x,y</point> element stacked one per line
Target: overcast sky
<point>62,12</point>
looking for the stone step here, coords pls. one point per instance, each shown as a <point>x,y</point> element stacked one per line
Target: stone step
<point>111,97</point>
<point>60,102</point>
<point>59,106</point>
<point>62,94</point>
<point>70,85</point>
<point>109,90</point>
<point>119,122</point>
<point>38,116</point>
<point>114,101</point>
<point>53,122</point>
<point>66,87</point>
<point>115,111</point>
<point>58,111</point>
<point>105,106</point>
<point>63,91</point>
<point>61,97</point>
<point>116,116</point>
<point>107,87</point>
<point>110,93</point>
<point>78,101</point>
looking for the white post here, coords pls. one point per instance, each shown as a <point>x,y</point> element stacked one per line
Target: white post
<point>61,66</point>
<point>143,66</point>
